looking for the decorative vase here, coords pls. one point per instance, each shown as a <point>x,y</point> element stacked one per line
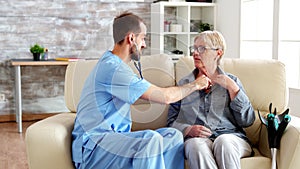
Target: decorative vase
<point>36,56</point>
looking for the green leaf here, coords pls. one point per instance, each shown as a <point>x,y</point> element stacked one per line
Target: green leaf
<point>36,49</point>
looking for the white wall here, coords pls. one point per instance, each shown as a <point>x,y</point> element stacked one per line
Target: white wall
<point>228,23</point>
<point>294,100</point>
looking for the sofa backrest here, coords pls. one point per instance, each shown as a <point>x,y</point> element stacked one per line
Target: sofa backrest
<point>263,80</point>
<point>75,76</point>
<point>157,69</point>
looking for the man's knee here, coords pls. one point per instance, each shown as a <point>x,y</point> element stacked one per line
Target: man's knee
<point>171,133</point>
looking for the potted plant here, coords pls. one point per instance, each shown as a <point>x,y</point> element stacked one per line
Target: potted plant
<point>36,51</point>
<point>205,27</point>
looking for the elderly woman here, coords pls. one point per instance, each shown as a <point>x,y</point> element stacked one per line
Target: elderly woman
<point>212,120</point>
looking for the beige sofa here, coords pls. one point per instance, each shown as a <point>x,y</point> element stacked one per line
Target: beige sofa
<point>48,141</point>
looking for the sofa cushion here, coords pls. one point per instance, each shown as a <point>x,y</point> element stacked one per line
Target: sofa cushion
<point>76,74</point>
<point>149,116</point>
<point>256,162</point>
<point>159,70</point>
<point>263,80</point>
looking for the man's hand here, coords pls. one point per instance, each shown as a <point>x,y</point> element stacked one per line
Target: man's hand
<point>202,82</point>
<point>198,131</point>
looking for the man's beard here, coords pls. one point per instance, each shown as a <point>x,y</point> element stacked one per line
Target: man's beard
<point>134,53</point>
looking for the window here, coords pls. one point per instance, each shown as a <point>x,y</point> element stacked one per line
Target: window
<point>256,29</point>
<point>269,31</point>
<point>289,40</point>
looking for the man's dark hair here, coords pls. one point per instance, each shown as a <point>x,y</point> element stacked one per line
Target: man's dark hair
<point>125,23</point>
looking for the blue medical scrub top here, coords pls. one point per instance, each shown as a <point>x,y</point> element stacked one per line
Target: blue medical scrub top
<point>104,105</point>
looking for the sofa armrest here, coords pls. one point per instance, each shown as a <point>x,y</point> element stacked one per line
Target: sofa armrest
<point>289,152</point>
<point>48,142</point>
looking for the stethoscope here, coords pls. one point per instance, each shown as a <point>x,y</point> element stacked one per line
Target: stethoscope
<point>138,64</point>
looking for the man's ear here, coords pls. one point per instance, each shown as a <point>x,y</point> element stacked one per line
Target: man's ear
<point>130,38</point>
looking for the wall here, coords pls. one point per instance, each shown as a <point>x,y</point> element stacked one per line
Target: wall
<point>294,106</point>
<point>228,22</point>
<point>76,28</point>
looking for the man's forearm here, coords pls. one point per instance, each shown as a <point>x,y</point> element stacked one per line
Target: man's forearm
<point>177,93</point>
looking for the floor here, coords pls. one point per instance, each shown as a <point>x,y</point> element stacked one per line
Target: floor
<point>12,145</point>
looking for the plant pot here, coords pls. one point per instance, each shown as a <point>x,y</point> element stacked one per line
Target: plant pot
<point>36,56</point>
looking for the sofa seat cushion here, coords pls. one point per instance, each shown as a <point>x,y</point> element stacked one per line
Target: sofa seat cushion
<point>256,162</point>
<point>149,116</point>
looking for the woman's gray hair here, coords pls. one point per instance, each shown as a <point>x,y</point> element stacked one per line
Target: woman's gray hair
<point>214,39</point>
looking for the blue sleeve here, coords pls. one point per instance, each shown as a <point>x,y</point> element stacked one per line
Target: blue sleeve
<point>127,86</point>
<point>121,82</point>
<point>242,108</point>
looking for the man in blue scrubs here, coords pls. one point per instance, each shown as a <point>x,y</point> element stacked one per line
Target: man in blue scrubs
<point>102,136</point>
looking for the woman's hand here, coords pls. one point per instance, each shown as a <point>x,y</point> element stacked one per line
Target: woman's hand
<point>198,131</point>
<point>227,83</point>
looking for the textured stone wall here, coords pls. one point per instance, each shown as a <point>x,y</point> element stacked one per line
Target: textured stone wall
<point>68,28</point>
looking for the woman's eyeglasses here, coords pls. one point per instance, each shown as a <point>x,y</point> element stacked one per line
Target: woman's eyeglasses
<point>200,49</point>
